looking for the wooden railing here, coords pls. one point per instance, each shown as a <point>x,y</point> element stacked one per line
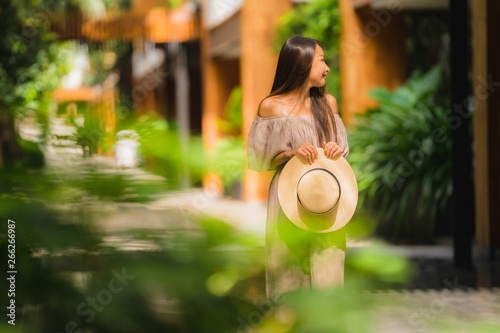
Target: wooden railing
<point>160,25</point>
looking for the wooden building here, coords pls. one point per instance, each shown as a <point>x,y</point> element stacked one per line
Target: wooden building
<point>236,40</point>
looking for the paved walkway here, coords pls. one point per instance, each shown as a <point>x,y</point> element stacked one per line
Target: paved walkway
<point>438,311</point>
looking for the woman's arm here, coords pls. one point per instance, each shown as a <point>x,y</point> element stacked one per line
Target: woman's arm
<point>281,158</point>
<point>306,149</point>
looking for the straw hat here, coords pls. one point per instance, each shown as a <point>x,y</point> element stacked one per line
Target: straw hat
<point>319,197</point>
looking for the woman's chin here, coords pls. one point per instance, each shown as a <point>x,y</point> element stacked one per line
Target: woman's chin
<point>319,84</point>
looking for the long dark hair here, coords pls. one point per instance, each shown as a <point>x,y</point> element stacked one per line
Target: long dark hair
<point>294,64</point>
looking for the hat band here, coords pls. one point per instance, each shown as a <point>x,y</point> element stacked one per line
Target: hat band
<point>336,202</point>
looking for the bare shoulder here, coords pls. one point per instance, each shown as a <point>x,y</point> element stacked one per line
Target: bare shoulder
<point>268,108</point>
<point>333,103</point>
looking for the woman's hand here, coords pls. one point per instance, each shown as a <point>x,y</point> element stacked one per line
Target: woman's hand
<point>331,149</point>
<point>308,151</point>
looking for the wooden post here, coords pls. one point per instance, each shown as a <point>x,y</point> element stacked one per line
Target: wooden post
<point>258,65</point>
<point>182,107</point>
<point>108,115</point>
<point>486,92</point>
<point>463,196</point>
<point>372,53</point>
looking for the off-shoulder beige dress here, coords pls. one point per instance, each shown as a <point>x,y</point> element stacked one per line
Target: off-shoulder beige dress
<point>294,258</point>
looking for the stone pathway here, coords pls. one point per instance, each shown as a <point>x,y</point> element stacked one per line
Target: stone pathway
<point>438,311</point>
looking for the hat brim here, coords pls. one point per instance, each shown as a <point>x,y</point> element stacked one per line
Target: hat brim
<point>332,220</point>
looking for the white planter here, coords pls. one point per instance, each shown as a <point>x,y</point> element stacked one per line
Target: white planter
<point>126,149</point>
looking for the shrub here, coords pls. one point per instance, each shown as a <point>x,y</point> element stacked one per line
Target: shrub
<point>401,153</point>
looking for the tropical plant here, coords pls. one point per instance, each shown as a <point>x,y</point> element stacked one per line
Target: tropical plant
<point>320,20</point>
<point>89,136</point>
<point>401,153</point>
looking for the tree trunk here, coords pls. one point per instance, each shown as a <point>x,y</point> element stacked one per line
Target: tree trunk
<point>10,151</point>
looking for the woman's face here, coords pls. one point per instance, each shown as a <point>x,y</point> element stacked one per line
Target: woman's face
<point>319,69</point>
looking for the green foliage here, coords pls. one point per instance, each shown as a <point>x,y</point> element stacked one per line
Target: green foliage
<point>316,311</point>
<point>90,135</point>
<point>161,146</point>
<point>204,277</point>
<point>426,40</point>
<point>189,273</point>
<point>103,61</point>
<point>117,188</point>
<point>321,20</point>
<point>94,9</point>
<point>31,61</point>
<point>123,4</point>
<point>174,3</point>
<point>373,267</point>
<point>346,309</point>
<point>401,156</point>
<point>228,159</point>
<point>232,121</point>
<point>193,281</point>
<point>32,154</point>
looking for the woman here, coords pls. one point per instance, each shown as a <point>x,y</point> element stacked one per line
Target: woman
<point>294,119</point>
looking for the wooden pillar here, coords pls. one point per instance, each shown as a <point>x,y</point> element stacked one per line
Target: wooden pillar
<point>212,104</point>
<point>372,53</point>
<point>258,65</point>
<point>219,76</point>
<point>486,92</point>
